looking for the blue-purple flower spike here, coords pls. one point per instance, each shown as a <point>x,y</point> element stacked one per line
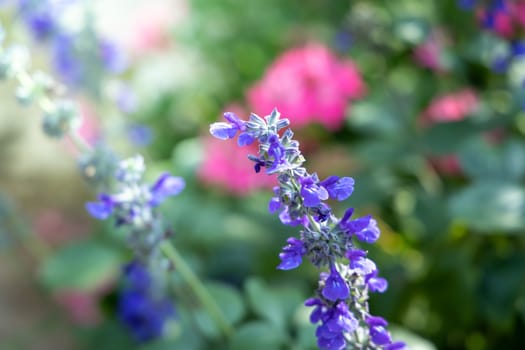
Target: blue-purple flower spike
<point>330,243</point>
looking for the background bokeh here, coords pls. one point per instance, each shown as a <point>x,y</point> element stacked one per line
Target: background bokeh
<point>420,101</point>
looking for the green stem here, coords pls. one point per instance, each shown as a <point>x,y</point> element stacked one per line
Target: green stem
<point>79,142</point>
<point>196,285</point>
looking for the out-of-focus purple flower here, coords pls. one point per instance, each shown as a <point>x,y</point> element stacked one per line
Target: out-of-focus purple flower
<point>103,208</point>
<point>112,57</point>
<point>140,134</point>
<point>139,308</point>
<point>166,185</point>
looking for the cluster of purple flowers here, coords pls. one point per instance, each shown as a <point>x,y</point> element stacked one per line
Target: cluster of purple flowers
<point>134,204</point>
<point>140,307</point>
<point>506,20</point>
<point>341,303</point>
<point>78,56</point>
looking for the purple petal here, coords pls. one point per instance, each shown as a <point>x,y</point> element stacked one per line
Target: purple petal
<point>292,254</point>
<point>370,233</point>
<point>245,139</point>
<point>377,284</point>
<point>335,286</point>
<point>100,210</point>
<point>359,263</point>
<point>339,188</point>
<point>274,205</point>
<point>223,131</point>
<point>235,120</point>
<point>165,186</point>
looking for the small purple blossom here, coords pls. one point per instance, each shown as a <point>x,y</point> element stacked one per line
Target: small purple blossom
<point>225,131</point>
<point>374,283</point>
<point>378,332</point>
<point>335,286</point>
<point>166,186</point>
<point>338,188</point>
<point>311,192</point>
<point>365,228</point>
<point>359,263</point>
<point>103,208</point>
<point>292,254</point>
<point>336,321</point>
<point>142,311</point>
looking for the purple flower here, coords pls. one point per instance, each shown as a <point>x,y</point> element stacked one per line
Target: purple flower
<point>103,208</point>
<point>136,276</point>
<point>311,192</point>
<point>292,254</point>
<point>359,263</point>
<point>365,228</point>
<point>225,131</point>
<point>113,59</point>
<point>278,153</point>
<point>139,308</point>
<point>335,286</point>
<point>65,59</point>
<point>338,188</point>
<point>274,204</point>
<point>374,283</point>
<point>166,186</point>
<point>336,321</point>
<point>140,134</point>
<point>378,332</point>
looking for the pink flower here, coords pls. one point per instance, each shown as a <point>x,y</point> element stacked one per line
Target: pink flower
<point>448,108</point>
<point>429,54</point>
<point>451,107</point>
<point>308,84</point>
<point>446,164</point>
<point>226,165</point>
<point>81,306</point>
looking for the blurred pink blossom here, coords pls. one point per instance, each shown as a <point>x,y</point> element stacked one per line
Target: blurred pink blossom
<point>451,107</point>
<point>448,108</point>
<point>446,164</point>
<point>81,306</point>
<point>308,84</point>
<point>429,54</point>
<point>55,226</point>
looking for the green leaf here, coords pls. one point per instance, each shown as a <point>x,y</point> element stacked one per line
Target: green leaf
<point>229,301</point>
<point>445,138</point>
<point>490,206</point>
<point>275,304</point>
<point>479,159</point>
<point>413,341</point>
<point>258,336</point>
<point>374,118</point>
<point>82,265</point>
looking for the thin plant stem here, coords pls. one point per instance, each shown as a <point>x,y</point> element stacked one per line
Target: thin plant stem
<point>198,288</point>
